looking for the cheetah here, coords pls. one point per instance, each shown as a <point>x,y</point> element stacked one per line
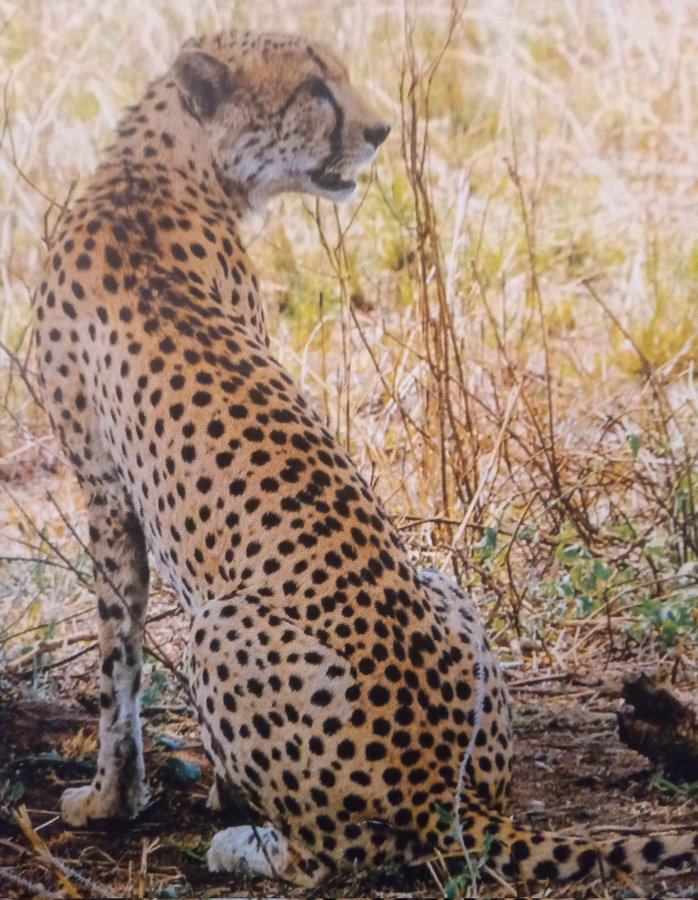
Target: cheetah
<point>351,697</point>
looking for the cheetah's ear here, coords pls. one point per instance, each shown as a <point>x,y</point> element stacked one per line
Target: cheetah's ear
<point>204,81</point>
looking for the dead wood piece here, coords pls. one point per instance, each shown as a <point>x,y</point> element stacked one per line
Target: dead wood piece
<point>660,727</point>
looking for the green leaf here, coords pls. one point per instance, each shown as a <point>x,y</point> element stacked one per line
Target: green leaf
<point>570,552</point>
<point>487,545</point>
<point>587,604</point>
<point>169,742</point>
<point>13,793</point>
<point>181,772</point>
<point>600,571</point>
<point>155,688</point>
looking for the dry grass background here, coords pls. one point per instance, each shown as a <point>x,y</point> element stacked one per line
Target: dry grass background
<point>501,329</point>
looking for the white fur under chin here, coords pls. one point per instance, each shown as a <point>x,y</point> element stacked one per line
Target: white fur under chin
<point>257,851</point>
<point>258,198</point>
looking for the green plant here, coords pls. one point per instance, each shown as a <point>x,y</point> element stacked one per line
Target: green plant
<point>667,619</point>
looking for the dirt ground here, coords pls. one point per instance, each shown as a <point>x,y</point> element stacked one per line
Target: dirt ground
<point>571,773</point>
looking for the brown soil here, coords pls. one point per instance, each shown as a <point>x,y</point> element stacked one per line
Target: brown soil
<point>571,773</point>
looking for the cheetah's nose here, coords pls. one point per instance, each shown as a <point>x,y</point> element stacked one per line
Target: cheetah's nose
<point>376,134</point>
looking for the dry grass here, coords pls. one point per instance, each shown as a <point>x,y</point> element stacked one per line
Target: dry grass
<point>501,331</point>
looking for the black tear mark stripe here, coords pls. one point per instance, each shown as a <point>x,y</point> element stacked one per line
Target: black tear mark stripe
<point>318,88</point>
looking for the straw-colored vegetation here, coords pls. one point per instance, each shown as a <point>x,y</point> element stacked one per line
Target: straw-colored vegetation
<point>501,329</point>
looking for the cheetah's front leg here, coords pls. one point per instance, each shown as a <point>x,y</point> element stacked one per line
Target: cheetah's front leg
<point>121,583</point>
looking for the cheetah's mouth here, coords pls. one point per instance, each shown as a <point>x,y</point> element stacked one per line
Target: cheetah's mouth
<point>332,182</point>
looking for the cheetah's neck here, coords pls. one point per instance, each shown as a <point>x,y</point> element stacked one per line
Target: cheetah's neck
<point>159,136</point>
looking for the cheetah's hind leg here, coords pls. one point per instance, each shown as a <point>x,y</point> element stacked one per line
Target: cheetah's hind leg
<point>118,549</point>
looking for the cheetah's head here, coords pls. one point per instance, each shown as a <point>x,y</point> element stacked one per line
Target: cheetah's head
<point>279,114</point>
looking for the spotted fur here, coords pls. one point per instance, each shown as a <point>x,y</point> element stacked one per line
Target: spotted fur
<point>337,686</point>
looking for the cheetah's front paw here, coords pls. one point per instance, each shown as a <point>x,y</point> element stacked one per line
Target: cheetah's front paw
<point>259,851</point>
<point>79,805</point>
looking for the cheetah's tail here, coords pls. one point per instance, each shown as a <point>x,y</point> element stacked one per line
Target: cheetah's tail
<point>519,853</point>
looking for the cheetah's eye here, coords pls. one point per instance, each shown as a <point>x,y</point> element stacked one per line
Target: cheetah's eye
<point>317,88</point>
